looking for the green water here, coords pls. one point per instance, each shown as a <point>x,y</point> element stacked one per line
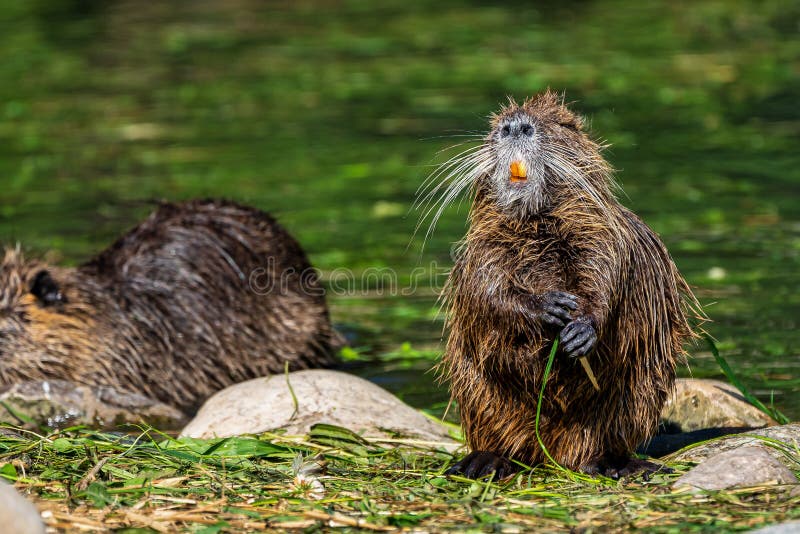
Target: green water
<point>330,114</point>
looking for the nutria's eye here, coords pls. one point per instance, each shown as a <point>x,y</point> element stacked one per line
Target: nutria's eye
<point>505,131</point>
<point>46,290</point>
<point>526,129</point>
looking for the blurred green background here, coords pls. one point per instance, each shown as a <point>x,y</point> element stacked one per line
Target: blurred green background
<point>331,113</point>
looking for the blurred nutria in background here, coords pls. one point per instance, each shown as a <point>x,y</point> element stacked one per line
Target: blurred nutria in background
<point>199,296</point>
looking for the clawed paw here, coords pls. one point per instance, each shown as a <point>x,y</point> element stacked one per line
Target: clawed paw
<point>481,464</point>
<point>625,468</point>
<point>556,307</point>
<point>578,338</point>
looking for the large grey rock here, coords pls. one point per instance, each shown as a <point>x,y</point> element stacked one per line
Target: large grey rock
<point>58,404</point>
<point>17,514</point>
<point>738,468</point>
<point>697,404</point>
<point>330,397</point>
<point>786,434</point>
<point>790,527</point>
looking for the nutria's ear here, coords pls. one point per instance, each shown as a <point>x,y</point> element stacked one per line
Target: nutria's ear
<point>44,288</point>
<point>573,122</point>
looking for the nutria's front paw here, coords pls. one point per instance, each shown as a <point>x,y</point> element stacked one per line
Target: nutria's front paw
<point>578,338</point>
<point>482,464</point>
<point>555,307</point>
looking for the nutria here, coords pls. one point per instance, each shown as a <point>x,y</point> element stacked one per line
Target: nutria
<point>551,253</point>
<point>197,297</point>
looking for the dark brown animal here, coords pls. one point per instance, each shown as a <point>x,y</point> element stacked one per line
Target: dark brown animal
<point>549,253</point>
<point>197,297</point>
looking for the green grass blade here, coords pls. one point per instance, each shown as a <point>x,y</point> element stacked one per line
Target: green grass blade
<point>733,379</point>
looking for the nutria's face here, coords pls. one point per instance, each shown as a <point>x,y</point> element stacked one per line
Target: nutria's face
<point>518,177</point>
<point>28,295</point>
<point>534,152</point>
<point>538,148</point>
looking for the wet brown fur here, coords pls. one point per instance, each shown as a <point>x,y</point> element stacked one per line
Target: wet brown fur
<point>169,310</point>
<point>585,242</point>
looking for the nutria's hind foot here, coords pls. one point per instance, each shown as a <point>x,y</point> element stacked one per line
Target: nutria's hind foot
<point>618,468</point>
<point>482,464</point>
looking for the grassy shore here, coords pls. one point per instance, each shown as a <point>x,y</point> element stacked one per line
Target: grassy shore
<point>86,480</point>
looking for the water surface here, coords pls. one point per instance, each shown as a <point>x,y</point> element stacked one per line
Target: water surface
<point>330,114</point>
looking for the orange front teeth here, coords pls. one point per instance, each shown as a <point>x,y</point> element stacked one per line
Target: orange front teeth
<point>518,171</point>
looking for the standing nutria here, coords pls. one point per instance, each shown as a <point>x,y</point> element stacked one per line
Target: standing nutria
<point>197,297</point>
<point>550,253</point>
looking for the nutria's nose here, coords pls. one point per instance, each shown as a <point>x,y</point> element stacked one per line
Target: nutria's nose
<point>517,128</point>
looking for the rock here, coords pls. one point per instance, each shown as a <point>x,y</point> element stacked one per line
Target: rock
<point>663,444</point>
<point>698,404</point>
<point>58,404</point>
<point>18,515</point>
<point>790,527</point>
<point>788,434</point>
<point>331,397</point>
<point>739,468</point>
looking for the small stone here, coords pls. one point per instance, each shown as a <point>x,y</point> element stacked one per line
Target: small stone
<point>331,397</point>
<point>717,273</point>
<point>698,404</point>
<point>59,404</point>
<point>17,514</point>
<point>790,527</point>
<point>738,468</point>
<point>787,434</point>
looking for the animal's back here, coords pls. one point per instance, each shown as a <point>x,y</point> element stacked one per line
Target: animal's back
<point>215,289</point>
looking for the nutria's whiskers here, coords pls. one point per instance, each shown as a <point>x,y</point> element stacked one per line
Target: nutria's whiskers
<point>447,182</point>
<point>431,180</point>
